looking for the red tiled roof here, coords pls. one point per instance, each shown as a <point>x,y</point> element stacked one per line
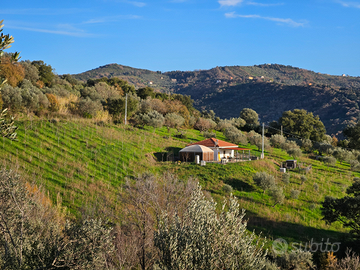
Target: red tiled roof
<point>211,142</point>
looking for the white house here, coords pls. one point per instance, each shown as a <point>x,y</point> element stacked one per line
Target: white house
<point>222,149</point>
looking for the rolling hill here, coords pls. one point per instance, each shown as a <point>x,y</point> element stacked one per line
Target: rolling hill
<point>269,89</point>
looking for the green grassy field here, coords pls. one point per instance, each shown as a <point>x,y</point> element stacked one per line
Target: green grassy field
<point>81,162</point>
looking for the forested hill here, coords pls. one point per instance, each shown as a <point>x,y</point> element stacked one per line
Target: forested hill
<point>268,89</point>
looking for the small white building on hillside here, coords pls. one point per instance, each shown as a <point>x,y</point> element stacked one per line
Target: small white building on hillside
<point>222,149</point>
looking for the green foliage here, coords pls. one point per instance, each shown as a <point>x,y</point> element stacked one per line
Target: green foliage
<point>316,187</point>
<point>155,119</point>
<point>294,193</point>
<point>116,106</point>
<point>32,236</point>
<point>303,179</point>
<point>329,160</point>
<point>277,194</point>
<point>250,116</point>
<point>277,140</point>
<point>7,127</point>
<point>289,144</point>
<point>174,120</point>
<point>227,188</point>
<point>303,124</point>
<point>70,79</point>
<point>6,40</point>
<point>88,108</point>
<point>234,135</point>
<point>280,87</point>
<point>352,133</point>
<point>294,152</point>
<point>286,178</point>
<point>345,210</point>
<point>296,259</point>
<point>256,139</point>
<point>152,118</point>
<point>53,102</point>
<point>46,74</point>
<point>122,86</point>
<point>223,124</point>
<point>325,148</point>
<point>5,43</point>
<point>342,155</point>
<point>350,261</point>
<point>204,124</point>
<point>185,100</point>
<point>238,122</point>
<point>202,239</point>
<point>145,92</point>
<point>312,206</point>
<point>208,114</point>
<point>209,134</point>
<point>354,165</point>
<point>306,144</point>
<point>32,98</point>
<point>264,180</point>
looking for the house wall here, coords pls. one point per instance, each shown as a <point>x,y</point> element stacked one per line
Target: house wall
<point>190,156</point>
<point>220,153</point>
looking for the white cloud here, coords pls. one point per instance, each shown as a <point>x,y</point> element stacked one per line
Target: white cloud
<point>137,4</point>
<point>252,3</point>
<point>61,29</point>
<point>112,19</point>
<point>349,4</point>
<point>263,5</point>
<point>134,3</point>
<point>230,2</point>
<point>42,11</point>
<point>288,21</point>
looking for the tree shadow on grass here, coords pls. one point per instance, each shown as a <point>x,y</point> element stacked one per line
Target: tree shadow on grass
<point>239,185</point>
<point>174,150</point>
<point>297,233</point>
<point>170,154</point>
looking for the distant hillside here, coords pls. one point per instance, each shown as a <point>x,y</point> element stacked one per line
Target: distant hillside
<point>268,89</point>
<point>137,77</point>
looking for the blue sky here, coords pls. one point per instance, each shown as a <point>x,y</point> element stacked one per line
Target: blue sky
<point>163,35</point>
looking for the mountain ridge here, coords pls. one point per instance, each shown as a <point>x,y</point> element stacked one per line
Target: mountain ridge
<point>269,89</point>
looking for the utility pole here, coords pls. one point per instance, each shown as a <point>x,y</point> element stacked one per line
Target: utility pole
<point>125,107</point>
<point>281,130</point>
<point>262,151</point>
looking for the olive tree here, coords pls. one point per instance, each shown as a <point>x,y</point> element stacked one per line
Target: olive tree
<point>204,239</point>
<point>276,140</point>
<point>234,135</point>
<point>330,161</point>
<point>294,152</point>
<point>277,194</point>
<point>155,119</point>
<point>264,180</point>
<point>173,120</point>
<point>7,127</point>
<point>256,139</point>
<point>33,236</point>
<point>342,155</point>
